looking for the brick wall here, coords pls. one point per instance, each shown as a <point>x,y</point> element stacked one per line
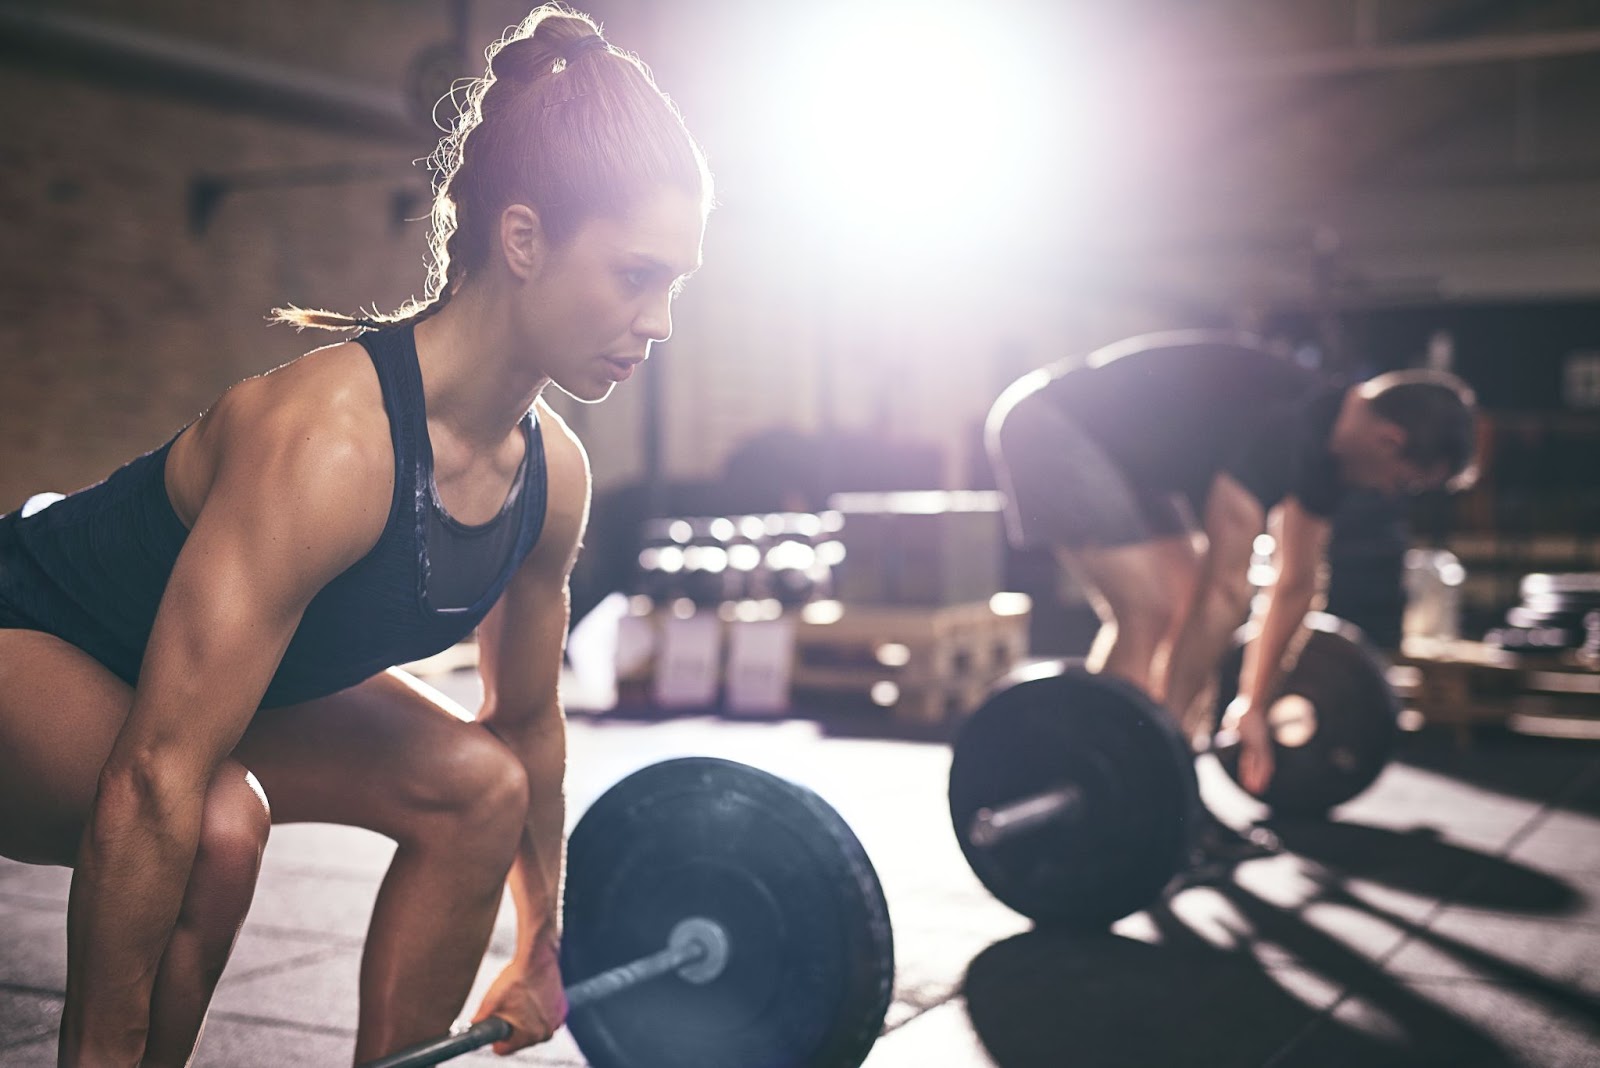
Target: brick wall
<point>118,322</point>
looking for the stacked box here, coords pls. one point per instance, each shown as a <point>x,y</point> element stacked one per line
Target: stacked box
<point>925,548</point>
<point>925,665</point>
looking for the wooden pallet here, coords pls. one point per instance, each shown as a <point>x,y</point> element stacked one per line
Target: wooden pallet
<point>926,665</point>
<point>923,665</point>
<point>1461,684</point>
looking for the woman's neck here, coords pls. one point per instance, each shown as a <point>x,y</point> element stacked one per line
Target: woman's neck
<point>474,377</point>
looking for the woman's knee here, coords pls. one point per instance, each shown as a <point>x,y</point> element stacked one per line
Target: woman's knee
<point>222,882</point>
<point>233,834</point>
<point>480,787</point>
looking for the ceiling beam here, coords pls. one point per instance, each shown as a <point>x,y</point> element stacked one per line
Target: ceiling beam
<point>1371,59</point>
<point>126,55</point>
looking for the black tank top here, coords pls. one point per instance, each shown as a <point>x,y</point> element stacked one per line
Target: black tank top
<point>91,568</point>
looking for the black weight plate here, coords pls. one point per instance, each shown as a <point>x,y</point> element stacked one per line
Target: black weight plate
<point>1330,755</point>
<point>1049,726</point>
<point>811,960</point>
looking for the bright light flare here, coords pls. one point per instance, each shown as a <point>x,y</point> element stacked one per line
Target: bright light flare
<point>936,119</point>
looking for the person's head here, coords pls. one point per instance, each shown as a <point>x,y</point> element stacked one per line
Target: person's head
<point>1407,432</point>
<point>569,186</point>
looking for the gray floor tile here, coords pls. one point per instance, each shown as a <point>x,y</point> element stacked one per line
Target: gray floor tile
<point>338,906</point>
<point>1406,799</point>
<point>321,992</point>
<point>1454,1024</point>
<point>34,883</point>
<point>1561,960</point>
<point>1562,842</point>
<point>35,943</point>
<point>34,1054</point>
<point>36,949</point>
<point>942,1036</point>
<point>326,849</point>
<point>230,1042</point>
<point>29,1020</point>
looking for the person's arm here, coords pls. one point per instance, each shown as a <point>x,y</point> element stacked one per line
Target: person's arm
<point>1302,540</point>
<point>520,650</point>
<point>289,505</point>
<point>1233,518</point>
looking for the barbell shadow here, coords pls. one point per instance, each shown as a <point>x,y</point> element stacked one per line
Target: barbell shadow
<point>1417,861</point>
<point>1047,998</point>
<point>1435,1034</point>
<point>1497,969</point>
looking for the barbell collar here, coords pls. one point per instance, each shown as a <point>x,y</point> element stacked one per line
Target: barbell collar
<point>693,942</point>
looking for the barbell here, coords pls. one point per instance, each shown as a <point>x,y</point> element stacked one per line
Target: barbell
<point>725,916</point>
<point>1074,796</point>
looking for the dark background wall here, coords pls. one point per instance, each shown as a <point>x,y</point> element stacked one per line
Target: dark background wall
<point>1374,170</point>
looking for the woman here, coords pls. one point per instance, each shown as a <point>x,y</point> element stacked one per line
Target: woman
<point>211,631</point>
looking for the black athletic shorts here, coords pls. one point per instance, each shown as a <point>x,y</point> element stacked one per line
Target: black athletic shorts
<point>15,571</point>
<point>1061,488</point>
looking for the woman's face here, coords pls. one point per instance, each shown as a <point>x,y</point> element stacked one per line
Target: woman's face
<point>591,310</point>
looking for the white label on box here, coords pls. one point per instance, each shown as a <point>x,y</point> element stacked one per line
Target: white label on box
<point>636,644</point>
<point>760,660</point>
<point>687,669</point>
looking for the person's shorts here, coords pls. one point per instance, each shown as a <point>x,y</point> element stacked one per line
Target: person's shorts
<point>15,569</point>
<point>11,619</point>
<point>1062,489</point>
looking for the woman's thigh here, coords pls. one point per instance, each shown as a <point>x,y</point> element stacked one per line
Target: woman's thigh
<point>60,712</point>
<point>383,755</point>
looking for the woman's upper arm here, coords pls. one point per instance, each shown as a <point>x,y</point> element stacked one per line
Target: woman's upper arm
<point>294,501</point>
<point>520,642</point>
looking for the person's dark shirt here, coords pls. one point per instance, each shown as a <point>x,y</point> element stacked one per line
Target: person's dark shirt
<point>1176,412</point>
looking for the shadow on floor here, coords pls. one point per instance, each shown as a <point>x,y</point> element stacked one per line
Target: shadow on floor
<point>1046,999</point>
<point>1418,862</point>
<point>1049,998</point>
<point>1565,771</point>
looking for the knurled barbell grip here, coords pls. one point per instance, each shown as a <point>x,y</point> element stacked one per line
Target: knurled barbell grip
<point>694,941</point>
<point>993,825</point>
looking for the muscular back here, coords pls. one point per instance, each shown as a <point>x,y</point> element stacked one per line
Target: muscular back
<point>330,396</point>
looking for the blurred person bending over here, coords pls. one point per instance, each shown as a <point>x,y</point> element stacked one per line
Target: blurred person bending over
<point>1150,469</point>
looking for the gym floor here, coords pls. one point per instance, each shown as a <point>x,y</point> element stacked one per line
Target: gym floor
<point>1449,916</point>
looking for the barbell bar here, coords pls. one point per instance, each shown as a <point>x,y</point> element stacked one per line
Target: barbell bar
<point>697,950</point>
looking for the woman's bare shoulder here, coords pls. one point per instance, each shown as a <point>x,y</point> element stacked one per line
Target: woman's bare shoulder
<point>318,421</point>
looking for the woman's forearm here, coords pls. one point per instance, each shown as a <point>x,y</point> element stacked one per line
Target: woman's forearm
<point>536,872</point>
<point>133,864</point>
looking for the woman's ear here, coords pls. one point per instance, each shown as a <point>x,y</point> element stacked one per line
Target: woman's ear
<point>522,241</point>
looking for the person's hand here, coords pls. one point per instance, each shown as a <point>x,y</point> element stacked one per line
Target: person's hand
<point>1249,723</point>
<point>527,995</point>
